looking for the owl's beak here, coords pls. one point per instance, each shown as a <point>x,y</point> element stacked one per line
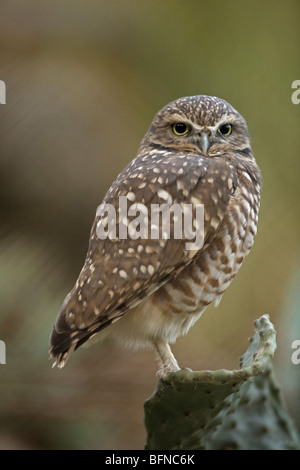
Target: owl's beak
<point>205,142</point>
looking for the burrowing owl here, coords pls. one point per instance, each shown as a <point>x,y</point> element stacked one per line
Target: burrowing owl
<point>151,289</point>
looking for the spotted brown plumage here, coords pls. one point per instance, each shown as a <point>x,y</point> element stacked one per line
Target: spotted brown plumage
<point>149,291</point>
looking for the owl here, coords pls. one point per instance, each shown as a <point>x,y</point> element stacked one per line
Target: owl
<point>139,280</point>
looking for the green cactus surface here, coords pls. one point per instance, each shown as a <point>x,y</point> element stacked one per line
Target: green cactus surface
<point>222,409</point>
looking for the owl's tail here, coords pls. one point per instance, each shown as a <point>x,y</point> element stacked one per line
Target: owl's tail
<point>64,340</point>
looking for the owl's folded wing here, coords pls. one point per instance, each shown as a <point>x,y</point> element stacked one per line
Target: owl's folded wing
<point>120,272</point>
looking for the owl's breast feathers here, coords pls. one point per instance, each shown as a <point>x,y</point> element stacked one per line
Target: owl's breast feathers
<point>120,274</point>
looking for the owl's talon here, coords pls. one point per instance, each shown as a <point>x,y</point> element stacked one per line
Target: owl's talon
<point>165,372</point>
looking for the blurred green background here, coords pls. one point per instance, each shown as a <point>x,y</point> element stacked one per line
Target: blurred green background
<point>84,80</point>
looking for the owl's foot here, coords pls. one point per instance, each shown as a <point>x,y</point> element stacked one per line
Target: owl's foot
<point>166,360</point>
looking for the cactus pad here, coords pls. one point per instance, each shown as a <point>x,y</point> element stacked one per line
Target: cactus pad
<point>239,409</point>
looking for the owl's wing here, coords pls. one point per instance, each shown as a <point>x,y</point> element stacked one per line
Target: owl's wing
<point>120,272</point>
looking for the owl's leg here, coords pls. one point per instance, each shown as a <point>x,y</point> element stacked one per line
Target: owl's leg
<point>166,359</point>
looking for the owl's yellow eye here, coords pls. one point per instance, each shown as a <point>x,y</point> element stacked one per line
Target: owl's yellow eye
<point>225,129</point>
<point>179,128</point>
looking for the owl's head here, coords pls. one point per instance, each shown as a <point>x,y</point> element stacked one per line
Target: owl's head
<point>199,124</point>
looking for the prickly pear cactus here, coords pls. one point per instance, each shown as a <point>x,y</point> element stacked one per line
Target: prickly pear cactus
<point>240,409</point>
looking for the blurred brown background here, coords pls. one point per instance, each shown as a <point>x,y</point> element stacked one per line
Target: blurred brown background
<point>84,80</point>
